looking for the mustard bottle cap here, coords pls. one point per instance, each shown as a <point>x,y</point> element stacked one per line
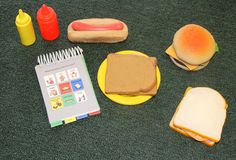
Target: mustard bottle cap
<point>22,18</point>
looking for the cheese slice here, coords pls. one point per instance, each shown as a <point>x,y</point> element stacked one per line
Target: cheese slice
<point>171,52</point>
<point>202,112</point>
<point>199,138</point>
<point>191,135</point>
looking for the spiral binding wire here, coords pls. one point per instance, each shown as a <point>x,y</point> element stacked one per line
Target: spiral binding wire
<point>59,55</point>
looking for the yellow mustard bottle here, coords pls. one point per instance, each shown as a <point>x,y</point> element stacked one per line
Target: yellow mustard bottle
<point>25,28</point>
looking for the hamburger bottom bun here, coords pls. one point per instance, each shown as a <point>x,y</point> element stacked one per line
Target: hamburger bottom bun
<point>181,65</point>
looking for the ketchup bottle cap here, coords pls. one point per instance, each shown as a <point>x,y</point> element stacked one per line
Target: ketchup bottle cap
<point>45,13</point>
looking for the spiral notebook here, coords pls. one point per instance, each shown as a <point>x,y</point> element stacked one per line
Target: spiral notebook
<point>66,86</point>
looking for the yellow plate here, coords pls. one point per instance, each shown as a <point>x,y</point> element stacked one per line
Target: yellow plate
<point>123,99</point>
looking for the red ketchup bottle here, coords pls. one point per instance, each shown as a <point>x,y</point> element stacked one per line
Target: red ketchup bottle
<point>48,24</point>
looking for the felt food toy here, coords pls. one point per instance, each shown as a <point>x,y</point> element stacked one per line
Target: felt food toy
<point>97,30</point>
<point>131,75</point>
<point>193,47</point>
<point>200,115</point>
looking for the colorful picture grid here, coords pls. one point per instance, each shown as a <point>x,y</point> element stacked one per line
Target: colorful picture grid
<point>65,88</point>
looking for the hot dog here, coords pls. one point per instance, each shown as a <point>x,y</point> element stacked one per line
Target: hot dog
<point>97,30</point>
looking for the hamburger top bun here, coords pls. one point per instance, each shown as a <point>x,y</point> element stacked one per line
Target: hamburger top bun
<point>194,44</point>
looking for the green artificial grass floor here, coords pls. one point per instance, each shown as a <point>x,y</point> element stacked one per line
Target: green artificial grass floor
<point>120,132</point>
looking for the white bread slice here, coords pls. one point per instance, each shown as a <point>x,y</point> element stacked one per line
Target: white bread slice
<point>188,133</point>
<point>203,112</point>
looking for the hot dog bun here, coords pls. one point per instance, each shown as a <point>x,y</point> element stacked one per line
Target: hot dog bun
<point>101,36</point>
<point>194,44</point>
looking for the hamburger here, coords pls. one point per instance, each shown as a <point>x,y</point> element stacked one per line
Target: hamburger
<point>192,48</point>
